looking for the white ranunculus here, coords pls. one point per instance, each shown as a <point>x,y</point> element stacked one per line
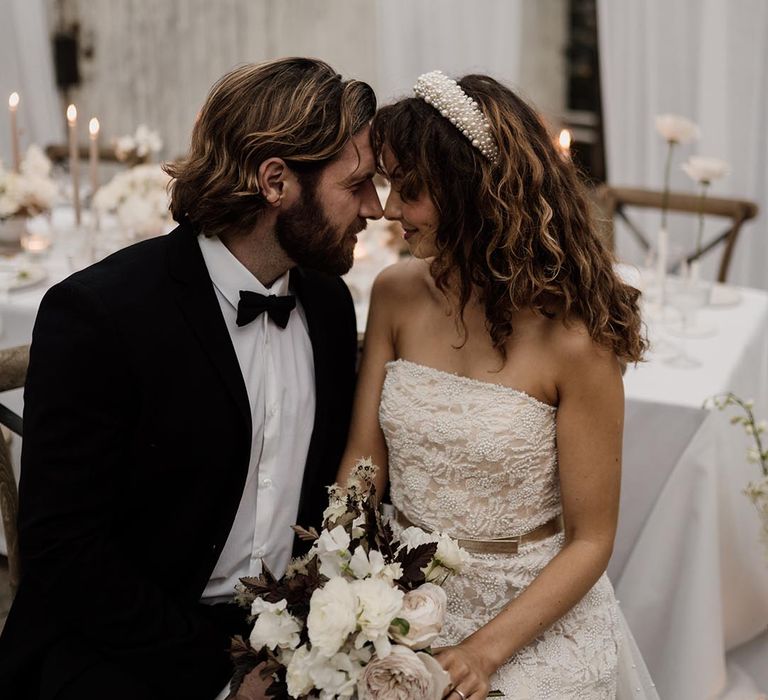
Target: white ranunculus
<point>332,550</point>
<point>676,129</point>
<point>403,675</point>
<point>705,170</point>
<point>274,626</point>
<point>298,672</point>
<point>424,611</point>
<point>379,602</point>
<point>332,616</point>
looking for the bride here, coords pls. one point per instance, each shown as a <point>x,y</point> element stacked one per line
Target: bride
<point>490,391</point>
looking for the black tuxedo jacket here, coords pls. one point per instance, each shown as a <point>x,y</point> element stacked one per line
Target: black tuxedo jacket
<point>137,434</point>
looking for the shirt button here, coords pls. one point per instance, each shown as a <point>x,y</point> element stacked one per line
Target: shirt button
<point>259,553</point>
<point>266,482</point>
<point>272,410</point>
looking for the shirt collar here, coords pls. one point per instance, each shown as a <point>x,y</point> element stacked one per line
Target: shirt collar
<point>230,276</point>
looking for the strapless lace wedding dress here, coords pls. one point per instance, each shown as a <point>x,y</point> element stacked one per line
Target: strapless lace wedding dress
<point>479,460</point>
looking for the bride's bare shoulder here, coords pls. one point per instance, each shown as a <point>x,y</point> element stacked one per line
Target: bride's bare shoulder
<point>576,350</point>
<point>406,280</point>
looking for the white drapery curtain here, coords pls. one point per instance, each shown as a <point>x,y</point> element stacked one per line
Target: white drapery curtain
<point>455,37</point>
<point>704,59</point>
<point>27,68</point>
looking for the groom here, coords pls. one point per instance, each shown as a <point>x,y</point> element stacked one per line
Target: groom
<point>189,397</point>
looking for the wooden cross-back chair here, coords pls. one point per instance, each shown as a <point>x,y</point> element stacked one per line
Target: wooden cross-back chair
<point>13,373</point>
<point>614,201</point>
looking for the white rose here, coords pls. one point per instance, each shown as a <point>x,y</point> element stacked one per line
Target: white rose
<point>332,550</point>
<point>424,611</point>
<point>705,170</point>
<point>274,626</point>
<point>403,675</point>
<point>332,616</point>
<point>450,555</point>
<point>379,603</point>
<point>676,128</point>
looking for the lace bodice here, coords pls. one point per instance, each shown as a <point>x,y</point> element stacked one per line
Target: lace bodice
<point>479,460</point>
<point>485,453</point>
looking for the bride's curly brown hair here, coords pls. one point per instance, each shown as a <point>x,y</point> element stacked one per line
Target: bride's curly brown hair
<point>518,232</point>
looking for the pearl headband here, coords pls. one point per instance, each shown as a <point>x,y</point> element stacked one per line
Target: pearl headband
<point>447,97</point>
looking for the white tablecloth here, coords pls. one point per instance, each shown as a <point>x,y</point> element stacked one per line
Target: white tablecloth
<point>689,570</point>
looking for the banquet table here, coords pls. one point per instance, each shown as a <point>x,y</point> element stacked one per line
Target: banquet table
<point>689,570</point>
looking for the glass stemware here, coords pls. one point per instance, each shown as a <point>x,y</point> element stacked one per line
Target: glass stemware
<point>686,296</point>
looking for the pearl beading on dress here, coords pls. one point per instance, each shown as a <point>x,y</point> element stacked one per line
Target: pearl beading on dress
<point>447,97</point>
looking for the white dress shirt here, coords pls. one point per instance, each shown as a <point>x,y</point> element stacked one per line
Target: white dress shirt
<point>278,370</point>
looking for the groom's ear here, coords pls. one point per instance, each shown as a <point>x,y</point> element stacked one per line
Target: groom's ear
<point>277,181</point>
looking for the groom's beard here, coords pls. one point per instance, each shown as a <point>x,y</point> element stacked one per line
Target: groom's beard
<point>312,241</point>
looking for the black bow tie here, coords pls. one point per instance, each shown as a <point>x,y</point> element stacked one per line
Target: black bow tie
<point>252,305</point>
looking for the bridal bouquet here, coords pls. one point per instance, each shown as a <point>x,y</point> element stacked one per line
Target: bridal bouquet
<point>355,616</point>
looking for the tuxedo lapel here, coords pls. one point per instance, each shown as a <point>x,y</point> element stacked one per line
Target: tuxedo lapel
<point>197,299</point>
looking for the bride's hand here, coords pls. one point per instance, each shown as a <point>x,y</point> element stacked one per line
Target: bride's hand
<point>469,669</point>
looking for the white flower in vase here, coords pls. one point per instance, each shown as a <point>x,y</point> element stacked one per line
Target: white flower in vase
<point>703,170</point>
<point>677,129</point>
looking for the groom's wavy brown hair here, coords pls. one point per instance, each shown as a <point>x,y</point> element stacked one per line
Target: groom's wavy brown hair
<point>297,109</point>
<point>519,232</point>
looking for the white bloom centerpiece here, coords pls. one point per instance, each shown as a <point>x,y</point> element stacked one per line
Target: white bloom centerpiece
<point>139,147</point>
<point>139,198</point>
<point>30,192</point>
<point>355,617</point>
